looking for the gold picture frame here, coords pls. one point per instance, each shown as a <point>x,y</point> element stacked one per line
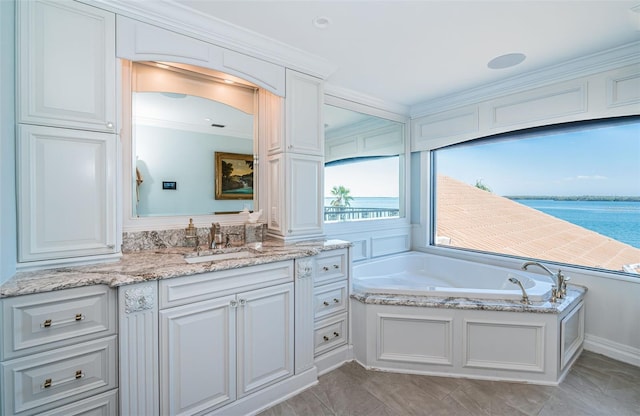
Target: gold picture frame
<point>234,176</point>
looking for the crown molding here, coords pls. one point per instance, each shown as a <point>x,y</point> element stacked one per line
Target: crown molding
<point>365,100</point>
<point>186,21</point>
<point>609,59</point>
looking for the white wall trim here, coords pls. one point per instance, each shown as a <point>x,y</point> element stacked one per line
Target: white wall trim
<point>611,349</point>
<point>358,98</point>
<point>572,69</point>
<point>181,19</point>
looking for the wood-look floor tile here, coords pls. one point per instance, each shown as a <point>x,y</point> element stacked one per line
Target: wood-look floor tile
<point>595,386</point>
<point>303,404</point>
<point>344,395</point>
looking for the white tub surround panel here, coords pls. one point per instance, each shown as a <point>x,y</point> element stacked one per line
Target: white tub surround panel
<point>461,337</point>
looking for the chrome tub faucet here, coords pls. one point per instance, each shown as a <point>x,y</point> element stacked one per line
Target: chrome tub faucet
<point>559,279</point>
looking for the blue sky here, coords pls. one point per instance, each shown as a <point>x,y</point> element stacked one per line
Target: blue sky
<point>379,177</point>
<point>604,161</point>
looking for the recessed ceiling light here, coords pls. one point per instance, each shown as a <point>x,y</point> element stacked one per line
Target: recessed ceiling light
<point>163,66</point>
<point>321,22</point>
<point>228,81</point>
<point>506,61</point>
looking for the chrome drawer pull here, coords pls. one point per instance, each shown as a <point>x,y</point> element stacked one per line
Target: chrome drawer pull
<point>325,268</point>
<point>49,383</point>
<point>326,338</point>
<point>336,334</point>
<point>335,266</point>
<point>335,300</point>
<point>325,303</point>
<point>49,322</point>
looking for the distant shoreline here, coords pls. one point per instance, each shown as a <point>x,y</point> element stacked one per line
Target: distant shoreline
<point>577,198</point>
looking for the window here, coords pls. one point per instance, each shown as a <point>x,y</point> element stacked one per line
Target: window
<point>568,194</point>
<point>364,165</point>
<point>362,188</point>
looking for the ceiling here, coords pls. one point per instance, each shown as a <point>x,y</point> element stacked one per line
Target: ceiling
<point>409,52</point>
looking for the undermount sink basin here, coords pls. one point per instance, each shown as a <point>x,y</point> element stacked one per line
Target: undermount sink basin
<point>225,254</point>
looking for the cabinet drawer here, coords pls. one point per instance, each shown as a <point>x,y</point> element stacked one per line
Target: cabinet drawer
<point>331,266</point>
<point>100,405</point>
<point>49,320</point>
<point>329,334</point>
<point>189,289</point>
<point>330,299</point>
<point>47,380</point>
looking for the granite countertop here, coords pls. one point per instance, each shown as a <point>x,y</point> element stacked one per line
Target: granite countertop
<point>165,263</point>
<point>574,294</point>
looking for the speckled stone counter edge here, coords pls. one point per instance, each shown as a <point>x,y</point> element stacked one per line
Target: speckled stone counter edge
<point>574,294</point>
<point>157,264</point>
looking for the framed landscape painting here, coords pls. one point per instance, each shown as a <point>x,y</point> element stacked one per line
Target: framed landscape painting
<point>234,176</point>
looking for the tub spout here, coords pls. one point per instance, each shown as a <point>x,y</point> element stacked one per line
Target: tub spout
<point>559,279</point>
<point>525,298</point>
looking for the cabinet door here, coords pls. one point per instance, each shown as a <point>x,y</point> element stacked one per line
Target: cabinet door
<point>304,126</point>
<point>197,356</point>
<point>66,65</point>
<point>265,337</point>
<point>66,188</point>
<point>305,204</point>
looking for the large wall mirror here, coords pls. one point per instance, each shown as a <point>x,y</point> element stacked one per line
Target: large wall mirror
<point>365,165</point>
<point>192,144</point>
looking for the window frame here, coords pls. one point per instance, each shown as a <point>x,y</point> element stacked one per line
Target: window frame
<point>425,241</point>
<point>370,225</point>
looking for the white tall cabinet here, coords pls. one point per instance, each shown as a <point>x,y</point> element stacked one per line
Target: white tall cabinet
<point>296,162</point>
<point>67,146</point>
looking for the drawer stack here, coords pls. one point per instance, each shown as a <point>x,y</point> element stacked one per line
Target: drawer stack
<point>330,300</point>
<point>59,353</point>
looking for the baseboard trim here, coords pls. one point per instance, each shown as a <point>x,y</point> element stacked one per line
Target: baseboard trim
<point>333,359</point>
<point>612,349</point>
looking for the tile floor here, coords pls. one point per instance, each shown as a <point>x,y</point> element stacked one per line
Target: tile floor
<point>596,385</point>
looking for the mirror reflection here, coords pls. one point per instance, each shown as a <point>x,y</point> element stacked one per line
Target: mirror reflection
<point>364,164</point>
<point>180,121</point>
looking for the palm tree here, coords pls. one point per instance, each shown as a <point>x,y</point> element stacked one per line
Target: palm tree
<point>343,199</point>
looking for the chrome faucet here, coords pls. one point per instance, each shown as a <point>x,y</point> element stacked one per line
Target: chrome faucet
<point>525,298</point>
<point>560,280</point>
<point>215,236</point>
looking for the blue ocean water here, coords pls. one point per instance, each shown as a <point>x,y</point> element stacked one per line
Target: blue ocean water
<point>619,220</point>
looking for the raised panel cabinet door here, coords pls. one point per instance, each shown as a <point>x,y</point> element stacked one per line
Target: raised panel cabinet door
<point>303,112</point>
<point>66,193</point>
<point>265,337</point>
<point>305,204</point>
<point>197,356</point>
<point>66,65</point>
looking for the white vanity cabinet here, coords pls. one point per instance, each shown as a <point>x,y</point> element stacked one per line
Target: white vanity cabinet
<point>67,146</point>
<point>66,65</point>
<point>66,193</point>
<point>238,337</point>
<point>59,353</point>
<point>331,308</point>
